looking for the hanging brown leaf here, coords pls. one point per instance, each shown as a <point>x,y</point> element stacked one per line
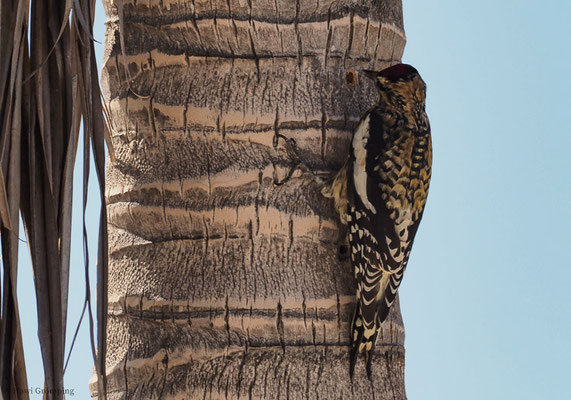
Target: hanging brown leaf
<point>48,86</point>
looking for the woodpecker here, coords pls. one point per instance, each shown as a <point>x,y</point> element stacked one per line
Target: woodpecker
<point>380,193</point>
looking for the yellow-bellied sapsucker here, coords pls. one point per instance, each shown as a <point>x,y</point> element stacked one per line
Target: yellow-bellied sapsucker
<point>380,194</point>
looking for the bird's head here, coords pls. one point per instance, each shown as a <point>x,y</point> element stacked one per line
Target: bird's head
<point>399,83</point>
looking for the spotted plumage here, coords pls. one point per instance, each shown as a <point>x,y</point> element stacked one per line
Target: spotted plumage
<point>380,193</point>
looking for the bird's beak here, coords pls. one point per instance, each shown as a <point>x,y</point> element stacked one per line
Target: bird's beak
<point>370,74</point>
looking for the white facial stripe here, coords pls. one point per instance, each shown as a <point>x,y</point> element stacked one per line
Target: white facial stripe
<point>360,140</point>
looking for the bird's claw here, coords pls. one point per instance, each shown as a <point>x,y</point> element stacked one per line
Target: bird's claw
<point>287,178</point>
<point>291,147</point>
<point>293,153</point>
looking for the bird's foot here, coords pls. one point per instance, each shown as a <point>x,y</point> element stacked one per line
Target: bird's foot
<point>293,153</point>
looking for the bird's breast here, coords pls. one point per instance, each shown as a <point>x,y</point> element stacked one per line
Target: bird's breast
<point>404,176</point>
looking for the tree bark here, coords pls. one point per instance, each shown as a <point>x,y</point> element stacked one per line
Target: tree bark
<point>221,284</point>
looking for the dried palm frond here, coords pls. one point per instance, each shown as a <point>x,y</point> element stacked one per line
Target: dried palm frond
<point>48,86</point>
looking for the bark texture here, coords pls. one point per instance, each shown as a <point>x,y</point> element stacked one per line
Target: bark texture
<point>222,285</point>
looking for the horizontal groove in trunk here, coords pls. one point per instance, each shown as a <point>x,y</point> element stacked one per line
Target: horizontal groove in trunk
<point>320,322</point>
<point>173,11</point>
<point>250,270</point>
<point>210,164</point>
<point>203,337</point>
<point>328,237</point>
<point>264,373</point>
<point>236,91</point>
<point>233,130</point>
<point>234,38</point>
<point>223,329</point>
<point>247,132</point>
<point>187,196</point>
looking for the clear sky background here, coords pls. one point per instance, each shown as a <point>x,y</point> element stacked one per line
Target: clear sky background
<point>486,298</point>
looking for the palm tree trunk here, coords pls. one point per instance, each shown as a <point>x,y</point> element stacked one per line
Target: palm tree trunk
<point>221,284</point>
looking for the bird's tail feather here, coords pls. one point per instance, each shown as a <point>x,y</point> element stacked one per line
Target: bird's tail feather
<point>357,332</point>
<point>361,344</point>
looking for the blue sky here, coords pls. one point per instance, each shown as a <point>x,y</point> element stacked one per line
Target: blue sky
<point>486,296</point>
